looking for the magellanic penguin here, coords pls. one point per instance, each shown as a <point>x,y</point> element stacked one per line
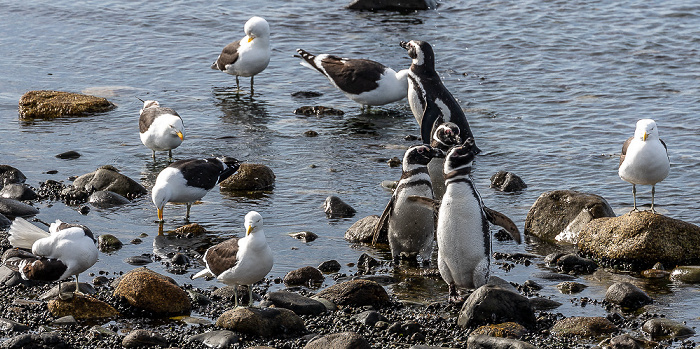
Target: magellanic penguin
<point>644,159</point>
<point>160,128</point>
<point>428,97</point>
<point>463,235</point>
<point>249,55</point>
<point>445,136</point>
<point>411,225</point>
<point>364,81</point>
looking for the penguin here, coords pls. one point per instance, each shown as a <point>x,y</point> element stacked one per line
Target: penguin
<point>428,97</point>
<point>411,226</point>
<point>445,136</point>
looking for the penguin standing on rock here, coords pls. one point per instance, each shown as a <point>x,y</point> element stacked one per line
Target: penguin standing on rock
<point>428,97</point>
<point>411,225</point>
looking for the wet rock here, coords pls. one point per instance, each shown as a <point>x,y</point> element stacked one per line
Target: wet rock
<point>305,276</point>
<point>394,162</point>
<point>491,304</point>
<point>639,239</point>
<point>250,177</point>
<point>507,182</point>
<point>71,154</point>
<point>105,198</point>
<point>366,263</point>
<point>4,222</point>
<point>42,340</point>
<point>570,287</point>
<point>67,288</point>
<point>393,5</point>
<point>107,243</point>
<point>656,272</point>
<point>553,276</point>
<point>361,231</point>
<point>337,208</point>
<point>108,178</point>
<point>356,293</point>
<point>150,291</point>
<point>343,340</point>
<point>13,208</point>
<point>330,306</point>
<point>138,260</point>
<point>331,266</point>
<point>12,326</point>
<point>190,230</point>
<point>73,196</point>
<point>144,338</point>
<point>627,295</point>
<point>625,341</point>
<point>306,94</point>
<point>180,259</point>
<point>297,303</point>
<point>573,263</point>
<point>310,133</point>
<point>81,307</point>
<point>553,211</point>
<point>689,274</point>
<point>532,285</point>
<point>305,236</point>
<point>215,339</point>
<point>47,104</point>
<point>583,327</point>
<point>570,234</point>
<point>9,175</point>
<point>18,191</point>
<point>404,329</point>
<point>487,342</point>
<point>369,318</point>
<point>540,303</point>
<point>99,332</point>
<point>317,110</point>
<point>264,322</point>
<point>660,328</point>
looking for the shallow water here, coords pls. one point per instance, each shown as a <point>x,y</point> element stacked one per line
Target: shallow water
<point>551,90</point>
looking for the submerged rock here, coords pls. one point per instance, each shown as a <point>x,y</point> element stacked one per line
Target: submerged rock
<point>47,104</point>
<point>108,243</point>
<point>106,198</point>
<point>109,178</point>
<point>356,293</point>
<point>507,182</point>
<point>264,322</point>
<point>249,177</point>
<point>337,208</point>
<point>659,328</point>
<point>393,5</point>
<point>71,154</point>
<point>317,110</point>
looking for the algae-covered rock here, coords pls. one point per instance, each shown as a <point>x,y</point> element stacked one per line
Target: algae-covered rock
<point>46,104</point>
<point>250,177</point>
<point>150,291</point>
<point>81,307</point>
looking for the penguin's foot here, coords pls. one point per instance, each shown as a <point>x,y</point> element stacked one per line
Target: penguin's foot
<point>454,296</point>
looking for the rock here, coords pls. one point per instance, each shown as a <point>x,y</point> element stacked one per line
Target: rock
<point>67,288</point>
<point>311,133</point>
<point>108,243</point>
<point>12,326</point>
<point>570,234</point>
<point>215,339</point>
<point>369,318</point>
<point>105,199</point>
<point>625,341</point>
<point>331,266</point>
<point>337,208</point>
<point>656,272</point>
<point>13,208</point>
<point>73,196</point>
<point>583,327</point>
<point>264,322</point>
<point>249,177</point>
<point>570,287</point>
<point>394,162</point>
<point>627,295</point>
<point>393,5</point>
<point>138,260</point>
<point>361,231</point>
<point>150,291</point>
<point>640,239</point>
<point>144,338</point>
<point>192,229</point>
<point>553,211</point>
<point>46,104</point>
<point>689,274</point>
<point>108,178</point>
<point>81,307</point>
<point>481,341</point>
<point>366,263</point>
<point>317,110</point>
<point>180,259</point>
<point>343,340</point>
<point>305,276</point>
<point>330,306</point>
<point>71,154</point>
<point>659,328</point>
<point>505,330</point>
<point>491,304</point>
<point>540,303</point>
<point>405,329</point>
<point>553,276</point>
<point>9,175</point>
<point>297,303</point>
<point>6,223</point>
<point>306,94</point>
<point>356,293</point>
<point>573,263</point>
<point>42,340</point>
<point>305,236</point>
<point>18,191</point>
<point>99,332</point>
<point>507,182</point>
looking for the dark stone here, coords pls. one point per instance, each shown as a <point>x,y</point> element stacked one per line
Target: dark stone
<point>659,328</point>
<point>305,276</point>
<point>109,178</point>
<point>540,303</point>
<point>7,325</point>
<point>337,208</point>
<point>306,94</point>
<point>394,162</point>
<point>361,231</point>
<point>71,154</point>
<point>43,340</point>
<point>144,338</point>
<point>574,263</point>
<point>405,329</point>
<point>9,175</point>
<point>507,182</point>
<point>481,341</point>
<point>318,110</point>
<point>356,293</point>
<point>297,303</point>
<point>583,327</point>
<point>138,260</point>
<point>4,222</point>
<point>627,295</point>
<point>104,199</point>
<point>393,5</point>
<point>180,259</point>
<point>13,208</point>
<point>263,322</point>
<point>250,177</point>
<point>570,287</point>
<point>311,133</point>
<point>51,104</point>
<point>18,191</point>
<point>215,339</point>
<point>369,318</point>
<point>491,304</point>
<point>108,243</point>
<point>366,263</point>
<point>343,340</point>
<point>331,266</point>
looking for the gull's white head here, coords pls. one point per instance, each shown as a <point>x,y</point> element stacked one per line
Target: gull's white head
<point>646,129</point>
<point>256,27</point>
<point>253,222</point>
<point>149,104</point>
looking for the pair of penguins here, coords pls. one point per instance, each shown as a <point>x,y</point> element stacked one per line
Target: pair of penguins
<point>429,182</point>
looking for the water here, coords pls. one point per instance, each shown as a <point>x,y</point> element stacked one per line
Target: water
<point>551,90</point>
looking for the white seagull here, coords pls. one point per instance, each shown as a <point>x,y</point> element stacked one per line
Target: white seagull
<point>644,159</point>
<point>364,81</point>
<point>66,250</point>
<point>249,55</point>
<point>160,128</point>
<point>242,261</point>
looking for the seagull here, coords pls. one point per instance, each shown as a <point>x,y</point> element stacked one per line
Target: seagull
<point>644,159</point>
<point>242,261</point>
<point>160,128</point>
<point>249,55</point>
<point>189,180</point>
<point>66,250</point>
<point>364,81</point>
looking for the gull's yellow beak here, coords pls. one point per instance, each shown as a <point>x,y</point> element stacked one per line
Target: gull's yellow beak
<point>644,138</point>
<point>179,134</point>
<point>248,230</point>
<point>250,38</point>
<point>160,214</point>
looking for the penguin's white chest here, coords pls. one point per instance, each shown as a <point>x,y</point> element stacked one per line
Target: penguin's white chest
<point>416,97</point>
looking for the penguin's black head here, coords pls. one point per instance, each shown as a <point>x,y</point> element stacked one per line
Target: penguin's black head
<point>445,136</point>
<point>461,157</point>
<point>420,155</point>
<point>420,52</point>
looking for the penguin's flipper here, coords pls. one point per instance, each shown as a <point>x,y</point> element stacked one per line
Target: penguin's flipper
<point>383,220</point>
<point>502,220</point>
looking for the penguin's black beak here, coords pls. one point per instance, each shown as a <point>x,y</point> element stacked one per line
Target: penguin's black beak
<point>404,45</point>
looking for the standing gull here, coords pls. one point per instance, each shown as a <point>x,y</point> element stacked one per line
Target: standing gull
<point>644,159</point>
<point>249,55</point>
<point>160,128</point>
<point>364,81</point>
<point>242,261</point>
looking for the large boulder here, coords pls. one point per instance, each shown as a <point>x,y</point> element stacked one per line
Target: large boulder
<point>108,178</point>
<point>361,231</point>
<point>491,304</point>
<point>640,239</point>
<point>152,292</point>
<point>263,322</point>
<point>9,175</point>
<point>51,104</point>
<point>553,211</point>
<point>356,293</point>
<point>81,307</point>
<point>249,177</point>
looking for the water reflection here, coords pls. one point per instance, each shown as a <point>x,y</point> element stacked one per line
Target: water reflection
<point>240,108</point>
